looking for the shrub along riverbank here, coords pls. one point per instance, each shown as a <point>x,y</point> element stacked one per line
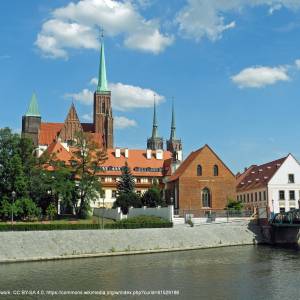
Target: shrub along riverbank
<point>132,223</point>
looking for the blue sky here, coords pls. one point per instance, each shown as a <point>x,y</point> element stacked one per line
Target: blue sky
<point>233,67</point>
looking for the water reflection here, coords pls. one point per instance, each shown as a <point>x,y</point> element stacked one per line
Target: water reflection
<point>250,272</point>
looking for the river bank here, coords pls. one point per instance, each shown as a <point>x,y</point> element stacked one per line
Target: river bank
<point>64,244</point>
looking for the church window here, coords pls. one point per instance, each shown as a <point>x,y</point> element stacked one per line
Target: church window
<point>216,170</point>
<point>199,170</point>
<point>206,198</point>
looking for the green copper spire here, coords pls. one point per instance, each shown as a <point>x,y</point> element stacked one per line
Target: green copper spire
<point>154,129</point>
<point>33,109</point>
<point>102,81</point>
<point>173,126</point>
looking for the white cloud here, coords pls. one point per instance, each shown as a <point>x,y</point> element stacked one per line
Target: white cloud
<point>257,77</point>
<point>87,117</point>
<point>74,26</point>
<point>120,122</point>
<point>127,97</point>
<point>57,35</point>
<point>124,96</point>
<point>123,122</point>
<point>84,97</point>
<point>206,18</point>
<point>297,64</point>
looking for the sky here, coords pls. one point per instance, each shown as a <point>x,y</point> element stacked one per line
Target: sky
<point>232,67</point>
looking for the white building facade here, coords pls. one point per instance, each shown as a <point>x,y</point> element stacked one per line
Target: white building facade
<point>274,185</point>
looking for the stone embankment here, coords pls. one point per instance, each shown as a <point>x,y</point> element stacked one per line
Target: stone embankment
<point>46,245</point>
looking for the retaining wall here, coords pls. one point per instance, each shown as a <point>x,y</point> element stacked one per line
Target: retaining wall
<point>44,245</point>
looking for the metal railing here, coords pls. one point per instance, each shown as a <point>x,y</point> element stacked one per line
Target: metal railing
<point>215,213</point>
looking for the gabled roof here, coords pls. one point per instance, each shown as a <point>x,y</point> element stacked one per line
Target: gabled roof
<point>184,165</point>
<point>190,159</point>
<point>49,132</point>
<point>259,176</point>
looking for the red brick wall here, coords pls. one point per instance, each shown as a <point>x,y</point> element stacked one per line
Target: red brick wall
<point>221,187</point>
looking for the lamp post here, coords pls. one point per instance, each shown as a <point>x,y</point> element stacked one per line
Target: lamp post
<point>13,195</point>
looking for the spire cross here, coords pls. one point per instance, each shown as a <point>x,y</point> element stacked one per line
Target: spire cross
<point>101,30</point>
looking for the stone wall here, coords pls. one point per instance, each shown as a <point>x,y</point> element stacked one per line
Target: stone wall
<point>42,245</point>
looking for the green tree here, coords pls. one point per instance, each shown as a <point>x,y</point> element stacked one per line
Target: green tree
<point>51,211</point>
<point>126,183</point>
<point>85,166</point>
<point>234,205</point>
<point>126,200</point>
<point>152,198</point>
<point>13,176</point>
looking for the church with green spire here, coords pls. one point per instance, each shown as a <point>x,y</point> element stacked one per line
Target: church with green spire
<point>101,129</point>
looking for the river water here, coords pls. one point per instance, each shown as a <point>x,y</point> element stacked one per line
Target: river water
<point>248,272</point>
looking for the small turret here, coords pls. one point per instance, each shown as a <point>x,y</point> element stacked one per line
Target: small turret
<point>155,142</point>
<point>174,145</point>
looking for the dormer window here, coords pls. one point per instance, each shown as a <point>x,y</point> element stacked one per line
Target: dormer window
<point>291,178</point>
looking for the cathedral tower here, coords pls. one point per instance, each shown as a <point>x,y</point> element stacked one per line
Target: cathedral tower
<point>155,142</point>
<point>174,145</point>
<point>103,119</point>
<point>31,121</point>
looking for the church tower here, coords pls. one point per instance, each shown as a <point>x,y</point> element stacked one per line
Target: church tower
<point>174,145</point>
<point>155,142</point>
<point>103,119</point>
<point>31,121</point>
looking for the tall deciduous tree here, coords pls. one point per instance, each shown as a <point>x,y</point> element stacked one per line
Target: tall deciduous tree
<point>86,161</point>
<point>14,164</point>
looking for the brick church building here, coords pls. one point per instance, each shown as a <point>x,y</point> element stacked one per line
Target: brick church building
<point>45,133</point>
<point>202,182</point>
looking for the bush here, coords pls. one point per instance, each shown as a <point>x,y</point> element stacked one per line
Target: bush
<point>152,198</point>
<point>28,209</point>
<point>140,222</point>
<point>51,211</point>
<point>126,200</point>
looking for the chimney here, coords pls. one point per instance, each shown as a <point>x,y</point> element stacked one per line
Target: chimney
<point>126,152</point>
<point>148,153</point>
<point>159,154</point>
<point>118,152</point>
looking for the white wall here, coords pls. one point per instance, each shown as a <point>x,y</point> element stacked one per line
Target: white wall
<point>112,213</point>
<point>279,182</point>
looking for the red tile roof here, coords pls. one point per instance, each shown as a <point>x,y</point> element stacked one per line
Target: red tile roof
<point>49,132</point>
<point>258,176</point>
<point>87,127</point>
<point>137,161</point>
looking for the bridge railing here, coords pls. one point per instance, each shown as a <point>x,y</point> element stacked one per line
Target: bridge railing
<point>290,217</point>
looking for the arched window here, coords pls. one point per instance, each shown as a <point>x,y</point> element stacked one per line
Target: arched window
<point>216,170</point>
<point>199,170</point>
<point>206,198</point>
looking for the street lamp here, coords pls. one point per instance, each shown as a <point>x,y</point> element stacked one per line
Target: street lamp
<point>13,194</point>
